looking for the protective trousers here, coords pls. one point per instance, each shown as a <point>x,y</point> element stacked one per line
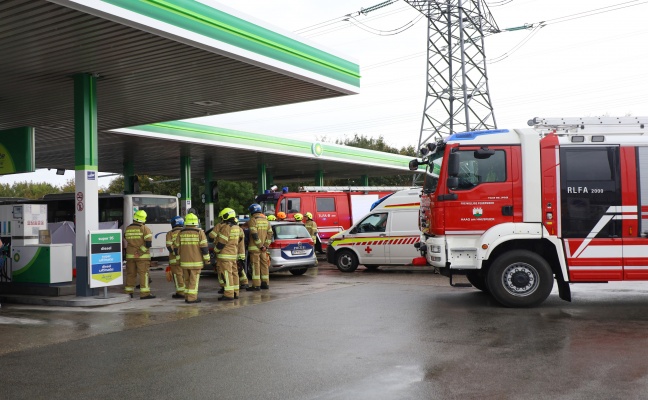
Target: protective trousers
<point>191,278</point>
<point>260,267</point>
<point>135,267</point>
<point>230,274</point>
<point>177,276</point>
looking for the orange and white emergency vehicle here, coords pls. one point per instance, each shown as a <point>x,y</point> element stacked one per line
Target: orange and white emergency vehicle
<point>515,209</point>
<point>334,208</point>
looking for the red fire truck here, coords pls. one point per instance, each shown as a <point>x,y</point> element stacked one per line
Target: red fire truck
<point>514,209</point>
<point>334,208</point>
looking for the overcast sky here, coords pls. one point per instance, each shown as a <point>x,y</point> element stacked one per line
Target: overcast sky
<point>590,65</point>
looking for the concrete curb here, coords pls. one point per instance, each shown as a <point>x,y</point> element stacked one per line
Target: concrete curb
<point>66,301</point>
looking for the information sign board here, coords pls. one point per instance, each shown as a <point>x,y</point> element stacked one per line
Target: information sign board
<point>105,258</point>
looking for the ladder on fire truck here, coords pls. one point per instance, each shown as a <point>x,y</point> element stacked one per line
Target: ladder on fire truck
<point>592,125</point>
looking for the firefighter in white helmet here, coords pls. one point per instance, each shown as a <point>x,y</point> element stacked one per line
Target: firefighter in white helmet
<point>193,253</point>
<point>139,239</point>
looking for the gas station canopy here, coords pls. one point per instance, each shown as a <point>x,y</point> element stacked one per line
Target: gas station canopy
<point>163,60</point>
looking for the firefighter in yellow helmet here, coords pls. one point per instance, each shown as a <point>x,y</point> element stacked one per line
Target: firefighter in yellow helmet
<point>192,253</point>
<point>213,236</point>
<point>138,239</point>
<point>226,249</point>
<point>177,223</point>
<point>311,227</point>
<point>260,239</point>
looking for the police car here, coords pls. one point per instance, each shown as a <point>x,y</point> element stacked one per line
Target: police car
<point>292,249</point>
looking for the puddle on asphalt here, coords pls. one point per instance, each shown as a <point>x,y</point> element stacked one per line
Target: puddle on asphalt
<point>20,321</point>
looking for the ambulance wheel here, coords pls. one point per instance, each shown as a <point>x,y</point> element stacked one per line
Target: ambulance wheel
<point>520,278</point>
<point>478,280</point>
<point>346,261</point>
<point>300,271</point>
<point>372,267</point>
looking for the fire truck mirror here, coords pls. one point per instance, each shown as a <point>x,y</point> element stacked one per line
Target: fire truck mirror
<point>413,165</point>
<point>453,164</point>
<point>453,182</point>
<point>483,153</point>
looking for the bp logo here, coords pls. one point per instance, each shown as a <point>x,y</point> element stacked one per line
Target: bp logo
<point>477,212</point>
<point>317,149</point>
<point>16,257</point>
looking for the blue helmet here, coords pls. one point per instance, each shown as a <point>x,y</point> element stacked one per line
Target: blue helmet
<point>254,208</point>
<point>177,221</point>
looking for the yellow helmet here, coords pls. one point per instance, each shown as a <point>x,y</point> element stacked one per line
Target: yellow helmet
<point>272,218</point>
<point>227,213</point>
<point>191,220</point>
<point>140,216</point>
<point>309,215</point>
<point>298,217</point>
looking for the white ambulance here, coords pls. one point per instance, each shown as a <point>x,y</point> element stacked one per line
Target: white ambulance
<point>385,236</point>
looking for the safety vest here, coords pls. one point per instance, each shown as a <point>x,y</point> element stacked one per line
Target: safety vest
<point>189,243</point>
<point>260,227</point>
<point>170,239</point>
<point>311,227</point>
<point>136,235</point>
<point>229,235</point>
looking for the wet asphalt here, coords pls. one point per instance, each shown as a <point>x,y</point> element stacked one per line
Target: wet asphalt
<point>396,333</point>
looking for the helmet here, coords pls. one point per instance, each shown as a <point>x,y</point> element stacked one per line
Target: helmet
<point>177,221</point>
<point>191,219</point>
<point>140,216</point>
<point>227,213</point>
<point>281,215</point>
<point>298,217</point>
<point>272,218</point>
<point>254,208</point>
<point>309,215</point>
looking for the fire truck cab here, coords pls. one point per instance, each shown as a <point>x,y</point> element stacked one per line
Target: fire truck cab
<point>515,209</point>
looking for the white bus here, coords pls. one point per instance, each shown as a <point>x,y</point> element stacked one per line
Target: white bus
<point>121,207</point>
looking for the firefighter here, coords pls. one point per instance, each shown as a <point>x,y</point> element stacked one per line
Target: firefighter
<point>227,250</point>
<point>177,223</point>
<point>281,216</point>
<point>272,218</point>
<point>311,227</point>
<point>240,259</point>
<point>213,235</point>
<point>139,239</point>
<point>192,253</point>
<point>260,239</point>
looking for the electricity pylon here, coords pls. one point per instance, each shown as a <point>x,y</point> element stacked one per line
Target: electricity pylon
<point>457,96</point>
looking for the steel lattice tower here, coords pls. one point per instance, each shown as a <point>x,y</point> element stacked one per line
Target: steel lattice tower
<point>457,96</point>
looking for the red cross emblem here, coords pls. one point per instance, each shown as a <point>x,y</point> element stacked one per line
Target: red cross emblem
<point>368,249</point>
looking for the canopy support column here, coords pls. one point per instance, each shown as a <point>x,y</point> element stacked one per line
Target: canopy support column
<point>319,178</point>
<point>364,180</point>
<point>129,175</point>
<point>185,184</point>
<point>261,180</point>
<point>210,185</point>
<point>85,178</point>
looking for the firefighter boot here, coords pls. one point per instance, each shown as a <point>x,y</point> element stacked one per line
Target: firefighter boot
<point>264,285</point>
<point>253,289</point>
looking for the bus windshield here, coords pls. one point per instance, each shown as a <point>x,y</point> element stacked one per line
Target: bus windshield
<point>159,210</point>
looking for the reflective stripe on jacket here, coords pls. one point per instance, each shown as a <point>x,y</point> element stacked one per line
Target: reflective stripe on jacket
<point>136,235</point>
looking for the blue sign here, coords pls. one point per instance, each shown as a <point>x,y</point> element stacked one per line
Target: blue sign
<point>91,175</point>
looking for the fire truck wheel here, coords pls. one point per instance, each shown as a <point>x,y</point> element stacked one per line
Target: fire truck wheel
<point>347,261</point>
<point>299,271</point>
<point>478,280</point>
<point>520,278</point>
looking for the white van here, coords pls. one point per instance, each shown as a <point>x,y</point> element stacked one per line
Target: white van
<point>385,236</point>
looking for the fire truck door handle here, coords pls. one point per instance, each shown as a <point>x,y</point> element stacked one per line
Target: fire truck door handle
<point>382,235</point>
<point>507,211</point>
